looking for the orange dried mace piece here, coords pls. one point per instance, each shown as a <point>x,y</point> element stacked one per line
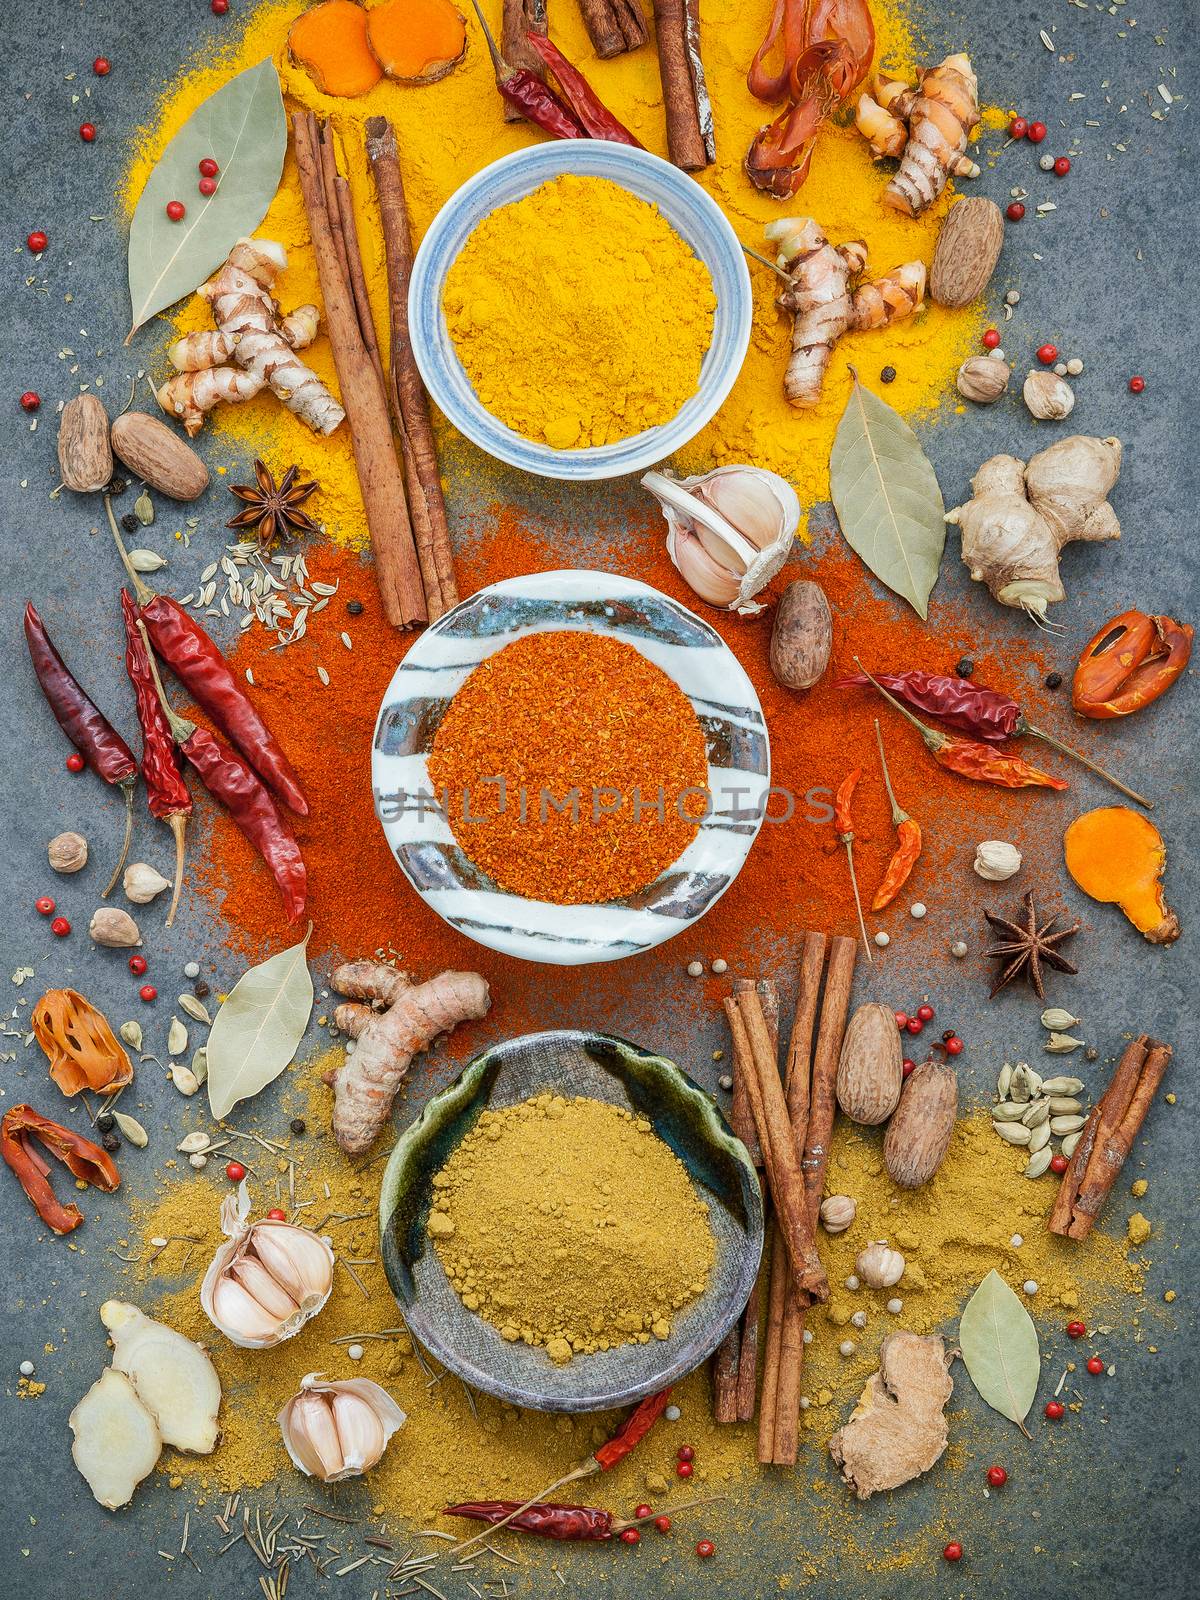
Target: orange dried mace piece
<point>416,41</point>
<point>21,1125</point>
<point>1130,662</point>
<point>83,1051</point>
<point>1117,856</point>
<point>330,42</point>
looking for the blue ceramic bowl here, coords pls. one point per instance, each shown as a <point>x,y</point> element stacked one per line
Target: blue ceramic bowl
<point>688,650</point>
<point>695,217</point>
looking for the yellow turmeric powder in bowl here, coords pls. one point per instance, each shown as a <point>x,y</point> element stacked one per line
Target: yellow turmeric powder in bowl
<point>568,1223</point>
<point>579,314</point>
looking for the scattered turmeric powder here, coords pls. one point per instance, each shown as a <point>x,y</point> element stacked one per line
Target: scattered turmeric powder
<point>570,1224</point>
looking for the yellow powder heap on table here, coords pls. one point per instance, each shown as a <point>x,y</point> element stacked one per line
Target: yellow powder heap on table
<point>580,315</point>
<point>570,1224</point>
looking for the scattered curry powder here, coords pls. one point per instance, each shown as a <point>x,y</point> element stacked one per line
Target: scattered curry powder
<point>570,1224</point>
<point>610,325</point>
<point>595,747</point>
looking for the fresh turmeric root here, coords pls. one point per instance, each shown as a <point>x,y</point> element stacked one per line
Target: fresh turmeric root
<point>823,303</point>
<point>330,42</point>
<point>926,127</point>
<point>416,41</point>
<point>251,333</point>
<point>1117,856</point>
<point>387,1040</point>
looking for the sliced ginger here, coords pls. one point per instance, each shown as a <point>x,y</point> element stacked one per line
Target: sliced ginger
<point>416,41</point>
<point>1117,856</point>
<point>171,1375</point>
<point>898,1428</point>
<point>117,1442</point>
<point>330,42</point>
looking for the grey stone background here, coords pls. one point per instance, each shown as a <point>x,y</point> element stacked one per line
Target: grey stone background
<point>1102,1508</point>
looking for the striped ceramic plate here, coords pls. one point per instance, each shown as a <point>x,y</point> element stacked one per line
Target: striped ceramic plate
<point>687,649</point>
<point>694,216</point>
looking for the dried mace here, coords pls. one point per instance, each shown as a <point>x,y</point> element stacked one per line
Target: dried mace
<point>1026,948</point>
<point>273,509</point>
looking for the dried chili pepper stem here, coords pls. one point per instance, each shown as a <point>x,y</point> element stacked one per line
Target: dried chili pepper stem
<point>526,93</point>
<point>934,738</point>
<point>1025,726</point>
<point>908,843</point>
<point>844,825</point>
<point>142,591</point>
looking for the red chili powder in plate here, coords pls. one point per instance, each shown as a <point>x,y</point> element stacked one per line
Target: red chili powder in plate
<point>595,745</point>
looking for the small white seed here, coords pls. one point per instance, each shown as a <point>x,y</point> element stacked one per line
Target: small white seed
<point>883,939</point>
<point>355,1352</point>
<point>1012,298</point>
<point>720,965</point>
<point>859,1319</point>
<point>958,949</point>
<point>895,1307</point>
<point>695,969</point>
<point>27,1369</point>
<point>847,1347</point>
<point>198,1160</point>
<point>852,1283</point>
<point>808,1336</point>
<point>1074,366</point>
<point>192,969</point>
<point>1016,1241</point>
<point>917,909</point>
<point>1030,1286</point>
<point>672,1413</point>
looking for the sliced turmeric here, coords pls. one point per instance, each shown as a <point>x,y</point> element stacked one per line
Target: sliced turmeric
<point>1117,856</point>
<point>330,42</point>
<point>416,41</point>
<point>83,1051</point>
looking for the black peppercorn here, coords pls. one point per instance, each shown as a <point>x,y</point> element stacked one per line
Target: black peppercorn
<point>1091,1053</point>
<point>200,989</point>
<point>298,1125</point>
<point>354,607</point>
<point>106,1121</point>
<point>1054,680</point>
<point>130,523</point>
<point>965,667</point>
<point>888,375</point>
<point>115,487</point>
<point>111,1142</point>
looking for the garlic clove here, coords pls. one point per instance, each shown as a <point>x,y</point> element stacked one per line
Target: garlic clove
<point>237,1312</point>
<point>750,502</point>
<point>296,1258</point>
<point>701,570</point>
<point>141,883</point>
<point>359,1430</point>
<point>312,1424</point>
<point>261,1286</point>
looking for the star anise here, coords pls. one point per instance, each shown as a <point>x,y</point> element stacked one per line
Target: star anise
<point>273,509</point>
<point>1025,949</point>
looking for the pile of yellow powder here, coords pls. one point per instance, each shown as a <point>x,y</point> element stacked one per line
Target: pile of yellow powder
<point>580,315</point>
<point>570,1224</point>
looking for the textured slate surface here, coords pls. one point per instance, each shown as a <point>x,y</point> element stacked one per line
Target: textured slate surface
<point>1117,281</point>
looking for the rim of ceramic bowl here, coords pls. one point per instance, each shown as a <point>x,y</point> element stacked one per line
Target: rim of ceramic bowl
<point>693,214</point>
<point>692,654</point>
<point>648,1082</point>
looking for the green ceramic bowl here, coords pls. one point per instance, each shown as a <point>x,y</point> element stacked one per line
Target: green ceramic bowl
<point>600,1067</point>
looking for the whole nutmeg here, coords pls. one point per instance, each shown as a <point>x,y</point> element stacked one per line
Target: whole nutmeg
<point>837,1212</point>
<point>67,852</point>
<point>113,927</point>
<point>879,1266</point>
<point>983,379</point>
<point>141,883</point>
<point>1048,397</point>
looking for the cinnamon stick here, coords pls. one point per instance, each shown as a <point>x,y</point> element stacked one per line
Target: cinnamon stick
<point>397,571</point>
<point>685,137</point>
<point>1107,1137</point>
<point>780,1157</point>
<point>410,406</point>
<point>613,26</point>
<point>747,1380</point>
<point>519,19</point>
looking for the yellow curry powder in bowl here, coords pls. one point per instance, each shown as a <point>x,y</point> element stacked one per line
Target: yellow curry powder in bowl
<point>567,1223</point>
<point>566,759</point>
<point>579,314</point>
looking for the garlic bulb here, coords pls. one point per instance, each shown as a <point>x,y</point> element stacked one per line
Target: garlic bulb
<point>837,1213</point>
<point>729,531</point>
<point>996,860</point>
<point>267,1281</point>
<point>141,883</point>
<point>338,1430</point>
<point>879,1266</point>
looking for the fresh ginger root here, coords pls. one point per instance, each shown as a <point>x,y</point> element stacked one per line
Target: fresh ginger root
<point>898,1428</point>
<point>1117,856</point>
<point>386,1041</point>
<point>926,127</point>
<point>1022,514</point>
<point>824,305</point>
<point>261,342</point>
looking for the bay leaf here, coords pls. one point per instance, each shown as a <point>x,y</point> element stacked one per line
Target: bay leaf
<point>244,129</point>
<point>999,1346</point>
<point>887,498</point>
<point>256,1032</point>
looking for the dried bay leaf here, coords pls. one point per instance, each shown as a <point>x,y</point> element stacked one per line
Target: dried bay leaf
<point>887,498</point>
<point>258,1029</point>
<point>244,128</point>
<point>999,1346</point>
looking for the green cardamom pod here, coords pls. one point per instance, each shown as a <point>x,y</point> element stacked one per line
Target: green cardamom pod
<point>1039,1162</point>
<point>143,508</point>
<point>1013,1132</point>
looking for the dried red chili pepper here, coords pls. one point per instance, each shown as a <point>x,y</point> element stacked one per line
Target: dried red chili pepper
<point>582,100</point>
<point>166,793</point>
<point>908,845</point>
<point>237,786</point>
<point>1131,661</point>
<point>548,1521</point>
<point>87,1161</point>
<point>84,724</point>
<point>201,668</point>
<point>843,824</point>
<point>526,93</point>
<point>985,713</point>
